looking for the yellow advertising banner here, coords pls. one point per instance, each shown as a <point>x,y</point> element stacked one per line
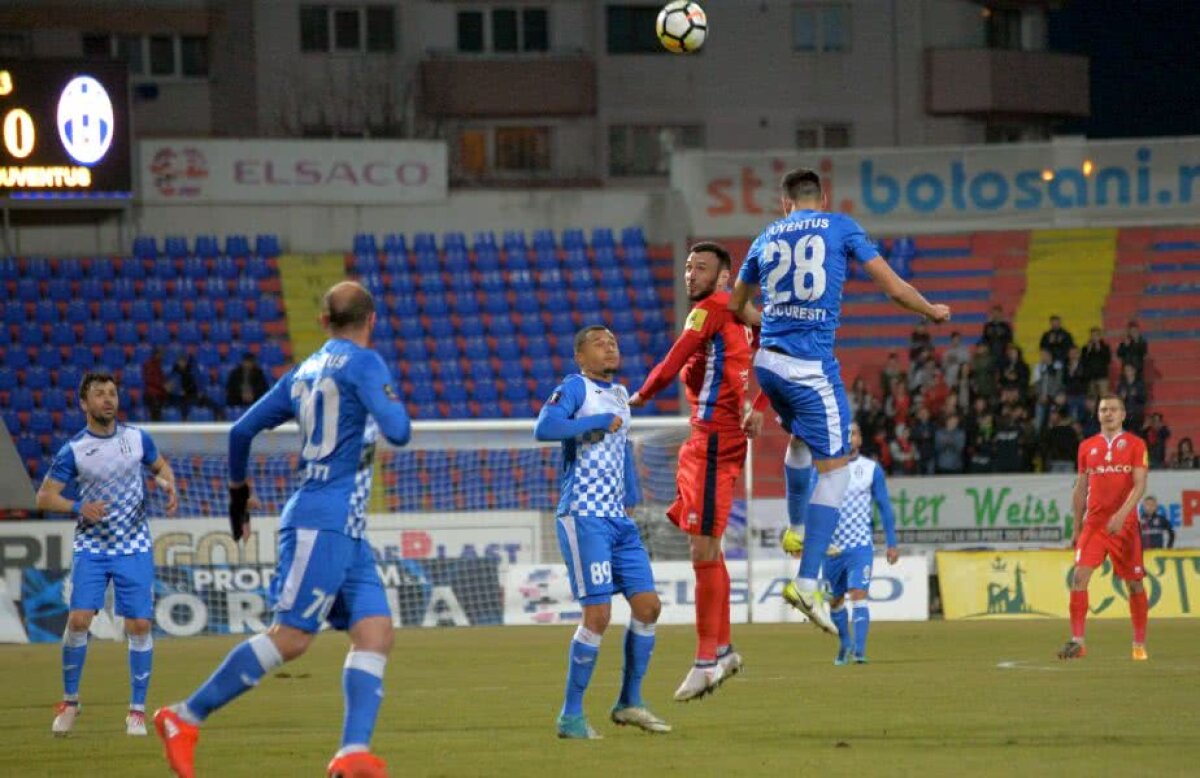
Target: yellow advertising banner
<point>1035,584</point>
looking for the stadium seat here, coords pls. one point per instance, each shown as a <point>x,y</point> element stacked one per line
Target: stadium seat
<point>521,282</point>
<point>36,377</point>
<point>125,333</point>
<point>27,290</point>
<point>225,267</point>
<point>21,399</point>
<point>530,325</point>
<point>247,288</point>
<point>72,421</point>
<point>189,333</point>
<point>68,377</point>
<point>395,243</point>
<point>208,357</point>
<point>203,309</point>
<point>441,327</point>
<point>45,312</point>
<point>415,350</point>
<point>364,262</point>
<point>576,259</point>
<point>172,310</point>
<point>444,351</point>
<point>58,290</point>
<point>82,358</point>
<point>112,356</point>
<point>154,288</point>
<point>508,350</point>
<point>237,246</point>
<point>235,309</point>
<point>10,269</point>
<point>545,259</point>
<point>632,236</point>
<point>14,314</point>
<point>602,237</point>
<point>409,328</point>
<point>485,392</point>
<point>490,410</point>
<point>200,413</point>
<point>471,326</point>
<point>466,304</point>
<point>544,239</point>
<point>90,289</point>
<point>172,414</point>
<point>435,305</point>
<point>475,348</point>
<point>267,245</point>
<point>216,287</point>
<point>364,243</point>
<point>37,268</point>
<point>50,358</point>
<point>220,331</point>
<point>61,334</point>
<point>195,267</point>
<point>175,246</point>
<point>257,268</point>
<point>185,288</point>
<point>400,282</point>
<point>28,447</point>
<point>561,323</point>
<point>110,312</point>
<point>538,348</point>
<point>12,420</point>
<point>145,246</point>
<point>34,336</point>
<point>121,290</point>
<point>158,334</point>
<point>271,354</point>
<point>55,400</point>
<point>495,304</point>
<point>133,268</point>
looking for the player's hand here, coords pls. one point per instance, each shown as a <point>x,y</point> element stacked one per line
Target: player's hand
<point>752,423</point>
<point>637,401</point>
<point>239,510</point>
<point>1115,524</point>
<point>169,488</point>
<point>939,313</point>
<point>615,424</point>
<point>93,511</point>
<point>893,555</point>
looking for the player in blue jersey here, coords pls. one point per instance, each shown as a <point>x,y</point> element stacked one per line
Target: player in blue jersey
<point>851,555</point>
<point>326,568</point>
<point>105,464</point>
<point>801,263</point>
<point>599,542</point>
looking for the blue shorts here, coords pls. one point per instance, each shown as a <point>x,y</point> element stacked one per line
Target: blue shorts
<point>850,569</point>
<point>809,398</point>
<point>133,583</point>
<point>325,576</point>
<point>604,556</point>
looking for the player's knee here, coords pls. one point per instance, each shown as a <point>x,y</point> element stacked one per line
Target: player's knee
<point>799,455</point>
<point>80,621</point>
<point>1081,577</point>
<point>857,595</point>
<point>836,602</point>
<point>289,641</point>
<point>1135,587</point>
<point>705,548</point>
<point>647,608</point>
<point>137,627</point>
<point>373,634</point>
<point>596,617</point>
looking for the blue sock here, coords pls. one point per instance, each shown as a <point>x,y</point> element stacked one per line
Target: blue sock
<point>639,647</point>
<point>141,658</point>
<point>241,671</point>
<point>861,614</point>
<point>841,620</point>
<point>74,654</point>
<point>362,684</point>
<point>800,483</point>
<point>818,532</point>
<point>585,648</point>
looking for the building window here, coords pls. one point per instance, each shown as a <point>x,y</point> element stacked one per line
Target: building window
<point>645,150</point>
<point>511,30</point>
<point>348,29</point>
<point>630,29</point>
<point>524,149</point>
<point>823,27</point>
<point>160,56</point>
<point>823,136</point>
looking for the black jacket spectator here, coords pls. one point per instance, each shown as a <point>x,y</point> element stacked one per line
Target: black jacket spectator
<point>1008,446</point>
<point>1156,435</point>
<point>1157,531</point>
<point>1096,357</point>
<point>923,433</point>
<point>1059,445</point>
<point>1075,378</point>
<point>997,333</point>
<point>1185,456</point>
<point>1133,349</point>
<point>1132,390</point>
<point>949,443</point>
<point>246,383</point>
<point>1057,341</point>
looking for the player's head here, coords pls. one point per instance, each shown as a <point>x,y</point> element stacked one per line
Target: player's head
<point>1111,413</point>
<point>707,269</point>
<point>348,311</point>
<point>855,438</point>
<point>1150,504</point>
<point>98,396</point>
<point>801,189</point>
<point>597,352</point>
<point>1055,322</point>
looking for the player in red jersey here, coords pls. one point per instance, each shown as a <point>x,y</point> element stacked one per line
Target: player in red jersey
<point>713,356</point>
<point>1112,480</point>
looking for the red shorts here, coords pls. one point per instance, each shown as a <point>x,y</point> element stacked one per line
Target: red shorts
<point>709,466</point>
<point>1124,548</point>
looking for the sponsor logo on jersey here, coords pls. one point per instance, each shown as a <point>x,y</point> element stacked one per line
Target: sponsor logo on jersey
<point>695,319</point>
<point>554,398</point>
<point>390,391</point>
<point>1110,469</point>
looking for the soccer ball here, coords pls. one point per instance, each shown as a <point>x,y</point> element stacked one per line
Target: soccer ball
<point>682,26</point>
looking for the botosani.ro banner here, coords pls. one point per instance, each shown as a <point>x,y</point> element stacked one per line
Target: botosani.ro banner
<point>1070,182</point>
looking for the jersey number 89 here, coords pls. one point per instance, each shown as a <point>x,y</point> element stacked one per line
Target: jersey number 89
<point>800,274</point>
<point>601,573</point>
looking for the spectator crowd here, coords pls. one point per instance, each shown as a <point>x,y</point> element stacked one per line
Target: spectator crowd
<point>985,409</point>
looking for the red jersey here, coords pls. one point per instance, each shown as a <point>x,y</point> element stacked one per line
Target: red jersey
<point>714,354</point>
<point>1108,466</point>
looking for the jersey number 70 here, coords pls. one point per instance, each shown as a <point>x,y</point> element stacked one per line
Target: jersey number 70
<point>789,281</point>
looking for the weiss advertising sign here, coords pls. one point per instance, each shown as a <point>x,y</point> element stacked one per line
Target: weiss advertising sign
<point>292,172</point>
<point>1069,182</point>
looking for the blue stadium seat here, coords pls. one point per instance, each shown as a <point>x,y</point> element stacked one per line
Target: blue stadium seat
<point>252,331</point>
<point>37,268</point>
<point>453,391</point>
<point>14,314</point>
<point>34,336</point>
<point>72,421</point>
<point>27,290</point>
<point>409,327</point>
<point>441,327</point>
<point>103,268</point>
<point>154,289</point>
<point>495,304</point>
<point>363,262</point>
<point>576,259</point>
<point>530,325</point>
<point>501,327</point>
<point>112,356</point>
<point>158,334</point>
<point>448,370</point>
<point>172,310</point>
<point>36,378</point>
<point>545,259</point>
<point>458,409</point>
<point>185,288</point>
<point>445,350</point>
<point>237,246</point>
<point>10,269</point>
<point>141,352</point>
<point>45,312</point>
<point>471,326</point>
<point>456,260</point>
<point>427,262</point>
<point>544,239</point>
<point>207,246</point>
<point>538,348</point>
<point>602,236</point>
<point>67,377</point>
<point>258,268</point>
<point>400,282</point>
<point>364,243</point>
<point>573,239</point>
<point>141,312</point>
<point>422,392</point>
<point>247,288</point>
<point>395,261</point>
<point>466,303</point>
<point>395,243</point>
<point>172,414</point>
<point>208,357</point>
<point>216,288</point>
<point>195,267</point>
<point>175,246</point>
<point>61,334</point>
<point>131,377</point>
<point>564,347</point>
<point>489,409</point>
<point>415,350</point>
<point>145,246</point>
<point>11,420</point>
<point>514,391</point>
<point>235,309</point>
<point>56,400</point>
<point>21,399</point>
<point>542,370</point>
<point>418,371</point>
<point>226,267</point>
<point>561,323</point>
<point>425,241</point>
<point>508,350</point>
<point>475,348</point>
<point>200,413</point>
<point>163,268</point>
<point>121,290</point>
<point>29,447</point>
<point>632,236</point>
<point>521,282</point>
<point>383,329</point>
<point>50,358</point>
<point>623,322</point>
<point>487,260</point>
<point>267,245</point>
<point>485,239</point>
<point>435,305</point>
<point>604,255</point>
<point>271,354</point>
<point>485,392</point>
<point>58,290</point>
<point>133,268</point>
<point>220,331</point>
<point>430,283</point>
<point>203,309</point>
<point>189,333</point>
<point>110,311</point>
<point>78,312</point>
<point>82,358</point>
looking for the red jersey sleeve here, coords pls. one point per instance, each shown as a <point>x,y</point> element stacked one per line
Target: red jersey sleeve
<point>1141,456</point>
<point>1081,458</point>
<point>704,320</point>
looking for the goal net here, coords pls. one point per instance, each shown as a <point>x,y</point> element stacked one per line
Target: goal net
<point>462,522</point>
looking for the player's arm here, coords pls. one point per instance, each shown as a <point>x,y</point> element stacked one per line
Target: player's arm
<point>1079,499</point>
<point>556,419</point>
<point>745,289</point>
<point>633,489</point>
<point>696,331</point>
<point>1134,498</point>
<point>903,293</point>
<point>271,410</point>
<point>879,493</point>
<point>50,497</point>
<point>374,389</point>
<point>160,468</point>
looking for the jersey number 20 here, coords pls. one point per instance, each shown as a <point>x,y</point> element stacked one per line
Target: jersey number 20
<point>800,274</point>
<point>327,419</point>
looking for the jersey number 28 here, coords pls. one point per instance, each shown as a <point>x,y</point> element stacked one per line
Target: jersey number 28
<point>326,393</point>
<point>800,274</point>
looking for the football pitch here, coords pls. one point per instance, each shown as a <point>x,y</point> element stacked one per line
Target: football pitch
<point>938,698</point>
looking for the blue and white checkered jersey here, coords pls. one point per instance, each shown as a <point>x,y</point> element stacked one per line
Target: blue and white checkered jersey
<point>333,395</point>
<point>867,489</point>
<point>801,263</point>
<point>599,476</point>
<point>110,469</point>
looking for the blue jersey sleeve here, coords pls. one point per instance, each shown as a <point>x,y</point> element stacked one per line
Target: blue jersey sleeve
<point>749,272</point>
<point>855,241</point>
<point>633,489</point>
<point>271,410</point>
<point>373,385</point>
<point>556,420</point>
<point>63,469</point>
<point>880,494</point>
<point>149,450</point>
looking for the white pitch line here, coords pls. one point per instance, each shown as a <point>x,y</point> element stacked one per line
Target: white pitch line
<point>1020,664</point>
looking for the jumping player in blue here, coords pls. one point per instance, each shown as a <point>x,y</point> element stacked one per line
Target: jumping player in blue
<point>851,555</point>
<point>599,542</point>
<point>801,263</point>
<point>106,462</point>
<point>342,397</point>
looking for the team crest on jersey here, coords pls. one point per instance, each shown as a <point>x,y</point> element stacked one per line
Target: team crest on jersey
<point>1120,444</point>
<point>1095,451</point>
<point>695,319</point>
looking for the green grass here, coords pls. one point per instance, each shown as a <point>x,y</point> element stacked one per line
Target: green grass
<point>482,701</point>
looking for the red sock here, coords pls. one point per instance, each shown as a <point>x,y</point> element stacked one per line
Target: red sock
<point>1139,612</point>
<point>709,588</point>
<point>1079,609</point>
<point>723,633</point>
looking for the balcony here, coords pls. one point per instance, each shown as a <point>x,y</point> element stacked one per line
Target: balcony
<point>469,87</point>
<point>1006,83</point>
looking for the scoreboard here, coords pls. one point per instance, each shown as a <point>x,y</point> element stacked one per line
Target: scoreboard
<point>64,130</point>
